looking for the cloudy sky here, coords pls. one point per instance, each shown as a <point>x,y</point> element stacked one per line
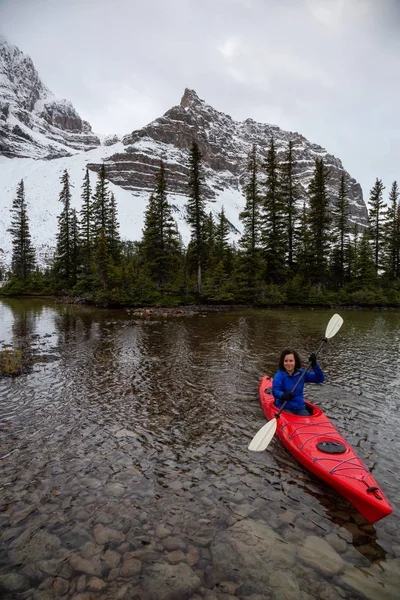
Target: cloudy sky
<point>328,69</point>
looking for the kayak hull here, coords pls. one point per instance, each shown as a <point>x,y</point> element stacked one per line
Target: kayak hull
<point>316,443</point>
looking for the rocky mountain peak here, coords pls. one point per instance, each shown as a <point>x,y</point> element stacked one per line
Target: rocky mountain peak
<point>225,145</point>
<point>33,121</point>
<point>190,98</point>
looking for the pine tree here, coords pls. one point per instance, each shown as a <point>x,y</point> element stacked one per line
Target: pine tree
<point>391,229</point>
<point>365,266</point>
<point>196,214</point>
<point>23,254</point>
<point>319,220</point>
<point>290,194</point>
<point>64,256</point>
<point>101,209</point>
<point>114,238</point>
<point>376,220</point>
<point>304,248</point>
<point>250,262</point>
<point>274,238</point>
<point>341,230</point>
<point>86,223</point>
<point>160,246</point>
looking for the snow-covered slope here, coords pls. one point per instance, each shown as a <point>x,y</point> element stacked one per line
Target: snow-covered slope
<point>33,122</point>
<point>42,189</point>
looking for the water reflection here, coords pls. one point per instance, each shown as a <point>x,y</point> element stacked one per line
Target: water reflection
<point>137,428</point>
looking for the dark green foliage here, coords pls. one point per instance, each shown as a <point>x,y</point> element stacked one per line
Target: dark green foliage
<point>391,230</point>
<point>160,246</point>
<point>340,237</point>
<point>290,190</point>
<point>319,222</point>
<point>23,255</point>
<point>66,256</point>
<point>376,220</point>
<point>274,231</point>
<point>285,257</point>
<point>86,223</point>
<point>196,214</point>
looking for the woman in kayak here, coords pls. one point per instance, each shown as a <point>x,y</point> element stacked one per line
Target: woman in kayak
<point>288,374</point>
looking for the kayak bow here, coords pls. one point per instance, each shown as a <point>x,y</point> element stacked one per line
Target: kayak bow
<point>316,443</point>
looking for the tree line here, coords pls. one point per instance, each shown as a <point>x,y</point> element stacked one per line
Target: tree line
<point>296,247</point>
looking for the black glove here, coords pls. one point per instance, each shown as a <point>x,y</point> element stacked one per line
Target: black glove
<point>313,359</point>
<point>287,397</point>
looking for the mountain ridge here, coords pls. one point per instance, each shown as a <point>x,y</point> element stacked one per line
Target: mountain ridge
<point>45,135</point>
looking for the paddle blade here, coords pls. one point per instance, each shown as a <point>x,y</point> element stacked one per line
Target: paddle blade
<point>333,326</point>
<point>263,437</point>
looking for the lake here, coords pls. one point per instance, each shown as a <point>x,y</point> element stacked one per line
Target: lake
<point>125,471</point>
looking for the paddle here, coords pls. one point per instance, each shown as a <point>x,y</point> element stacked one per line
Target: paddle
<point>263,437</point>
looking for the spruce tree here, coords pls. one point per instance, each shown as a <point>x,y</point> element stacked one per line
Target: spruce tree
<point>160,245</point>
<point>250,262</point>
<point>341,230</point>
<point>376,216</point>
<point>23,254</point>
<point>86,223</point>
<point>64,256</point>
<point>101,209</point>
<point>290,190</point>
<point>303,247</point>
<point>319,220</point>
<point>114,238</point>
<point>196,214</point>
<point>365,266</point>
<point>391,229</point>
<point>274,239</point>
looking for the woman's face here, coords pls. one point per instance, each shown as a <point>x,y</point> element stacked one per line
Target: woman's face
<point>289,363</point>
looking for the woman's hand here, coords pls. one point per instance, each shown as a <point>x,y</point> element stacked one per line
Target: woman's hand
<point>287,397</point>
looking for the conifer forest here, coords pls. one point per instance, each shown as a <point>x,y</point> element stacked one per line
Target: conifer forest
<point>286,255</point>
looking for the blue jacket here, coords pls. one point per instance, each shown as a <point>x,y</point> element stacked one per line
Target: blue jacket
<point>283,382</point>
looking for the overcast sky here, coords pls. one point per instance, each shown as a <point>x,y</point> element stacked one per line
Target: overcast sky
<point>328,69</point>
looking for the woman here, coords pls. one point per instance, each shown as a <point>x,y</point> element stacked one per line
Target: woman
<point>289,372</point>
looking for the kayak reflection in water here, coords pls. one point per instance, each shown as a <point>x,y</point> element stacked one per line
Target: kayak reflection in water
<point>288,374</point>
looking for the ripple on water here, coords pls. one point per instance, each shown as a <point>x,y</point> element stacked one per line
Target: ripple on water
<point>130,450</point>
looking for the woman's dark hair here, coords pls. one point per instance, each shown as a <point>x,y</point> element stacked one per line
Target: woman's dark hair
<point>297,359</point>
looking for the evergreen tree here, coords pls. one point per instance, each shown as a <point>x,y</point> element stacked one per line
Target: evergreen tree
<point>365,266</point>
<point>222,246</point>
<point>319,220</point>
<point>196,215</point>
<point>341,230</point>
<point>75,246</point>
<point>209,242</point>
<point>376,216</point>
<point>290,194</point>
<point>250,262</point>
<point>86,223</point>
<point>23,254</point>
<point>101,209</point>
<point>160,245</point>
<point>274,239</point>
<point>391,228</point>
<point>64,256</point>
<point>304,249</point>
<point>114,238</point>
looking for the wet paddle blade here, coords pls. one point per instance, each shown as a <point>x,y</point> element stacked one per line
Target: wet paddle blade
<point>263,437</point>
<point>333,326</point>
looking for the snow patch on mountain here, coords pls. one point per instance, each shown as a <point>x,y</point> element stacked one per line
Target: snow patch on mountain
<point>42,189</point>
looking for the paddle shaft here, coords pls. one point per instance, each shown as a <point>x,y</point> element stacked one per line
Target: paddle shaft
<point>324,340</point>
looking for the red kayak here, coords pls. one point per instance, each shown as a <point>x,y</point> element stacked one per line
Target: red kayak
<point>316,443</point>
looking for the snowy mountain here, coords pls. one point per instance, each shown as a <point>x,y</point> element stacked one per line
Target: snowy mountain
<point>225,145</point>
<point>33,122</point>
<point>41,136</point>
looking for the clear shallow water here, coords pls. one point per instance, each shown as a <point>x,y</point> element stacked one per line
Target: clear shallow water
<point>128,429</point>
